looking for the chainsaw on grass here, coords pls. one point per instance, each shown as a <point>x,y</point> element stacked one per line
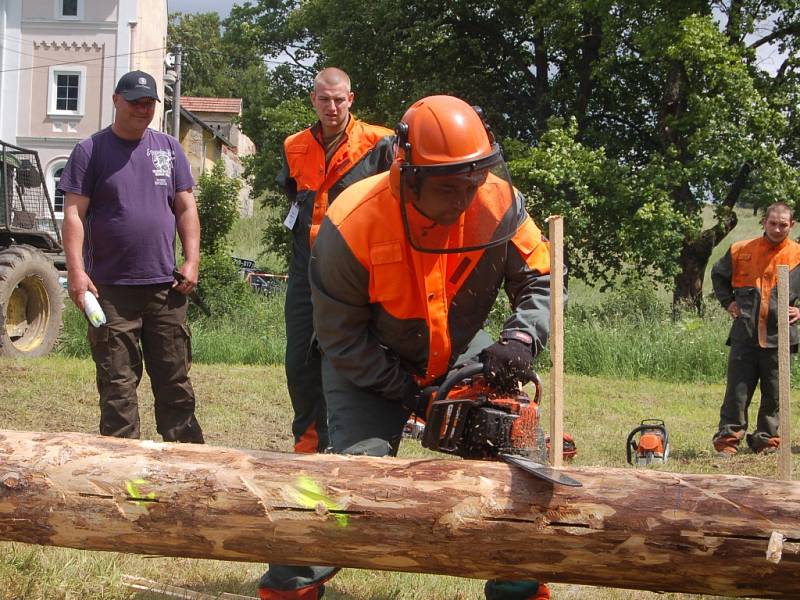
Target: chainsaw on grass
<point>467,417</point>
<point>648,443</point>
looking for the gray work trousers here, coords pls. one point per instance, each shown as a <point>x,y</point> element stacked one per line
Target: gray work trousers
<point>748,366</point>
<point>363,422</point>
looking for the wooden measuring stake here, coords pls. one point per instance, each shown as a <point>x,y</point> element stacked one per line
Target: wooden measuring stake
<point>556,223</point>
<point>784,374</point>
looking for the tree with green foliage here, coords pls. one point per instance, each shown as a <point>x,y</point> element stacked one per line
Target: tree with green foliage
<point>221,62</point>
<point>223,289</point>
<point>205,69</point>
<point>218,207</point>
<point>630,117</point>
<point>275,101</point>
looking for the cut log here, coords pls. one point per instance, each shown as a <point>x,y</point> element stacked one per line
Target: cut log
<point>627,528</point>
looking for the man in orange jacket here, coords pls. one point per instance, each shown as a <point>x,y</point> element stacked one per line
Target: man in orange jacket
<point>404,271</point>
<point>745,282</point>
<point>319,163</point>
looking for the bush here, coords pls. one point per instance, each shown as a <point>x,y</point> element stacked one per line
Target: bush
<point>217,206</point>
<point>222,289</point>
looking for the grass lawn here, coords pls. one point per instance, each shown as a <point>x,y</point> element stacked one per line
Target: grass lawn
<point>748,227</point>
<point>247,407</point>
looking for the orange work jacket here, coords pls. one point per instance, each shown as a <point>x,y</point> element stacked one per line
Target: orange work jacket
<point>748,274</point>
<point>312,184</point>
<point>383,311</point>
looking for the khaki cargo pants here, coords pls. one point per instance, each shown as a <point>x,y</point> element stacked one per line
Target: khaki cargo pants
<point>145,324</point>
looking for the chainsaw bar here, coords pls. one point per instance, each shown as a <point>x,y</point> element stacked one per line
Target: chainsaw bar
<point>541,471</point>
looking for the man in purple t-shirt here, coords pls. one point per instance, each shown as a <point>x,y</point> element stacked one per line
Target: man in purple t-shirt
<point>127,188</point>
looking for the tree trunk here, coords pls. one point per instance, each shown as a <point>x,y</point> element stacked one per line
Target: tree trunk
<point>696,252</point>
<point>626,528</point>
<point>689,282</point>
<point>590,53</point>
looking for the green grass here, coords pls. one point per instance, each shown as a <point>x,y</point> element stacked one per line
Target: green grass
<point>626,361</point>
<point>247,407</point>
<point>246,240</point>
<point>254,336</point>
<point>624,333</point>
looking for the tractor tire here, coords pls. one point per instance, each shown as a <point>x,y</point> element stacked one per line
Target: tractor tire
<point>31,302</point>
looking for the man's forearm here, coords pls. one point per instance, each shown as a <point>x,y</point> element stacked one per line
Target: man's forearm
<point>73,243</point>
<point>189,233</point>
<point>187,223</point>
<point>531,310</point>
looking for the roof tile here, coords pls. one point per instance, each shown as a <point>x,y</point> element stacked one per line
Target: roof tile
<point>223,105</point>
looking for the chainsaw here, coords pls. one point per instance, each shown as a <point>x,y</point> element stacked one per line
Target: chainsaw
<point>467,417</point>
<point>648,443</point>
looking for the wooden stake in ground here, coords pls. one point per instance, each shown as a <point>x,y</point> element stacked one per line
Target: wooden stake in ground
<point>556,224</point>
<point>632,528</point>
<point>784,375</point>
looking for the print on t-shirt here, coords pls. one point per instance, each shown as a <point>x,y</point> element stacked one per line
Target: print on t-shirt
<point>162,161</point>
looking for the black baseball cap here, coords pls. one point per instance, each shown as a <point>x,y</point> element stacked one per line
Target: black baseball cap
<point>136,85</point>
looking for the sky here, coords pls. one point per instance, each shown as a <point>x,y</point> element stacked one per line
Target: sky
<point>223,7</point>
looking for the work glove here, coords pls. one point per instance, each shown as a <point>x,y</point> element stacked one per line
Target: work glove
<point>509,360</point>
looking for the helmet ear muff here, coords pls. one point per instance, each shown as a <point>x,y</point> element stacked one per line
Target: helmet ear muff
<point>486,126</point>
<point>401,130</point>
<point>398,175</point>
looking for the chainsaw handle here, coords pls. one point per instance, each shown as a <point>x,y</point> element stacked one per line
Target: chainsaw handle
<point>629,446</point>
<point>471,370</point>
<point>455,377</point>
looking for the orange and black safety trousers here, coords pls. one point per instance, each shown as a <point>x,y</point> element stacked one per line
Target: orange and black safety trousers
<point>311,185</point>
<point>747,274</point>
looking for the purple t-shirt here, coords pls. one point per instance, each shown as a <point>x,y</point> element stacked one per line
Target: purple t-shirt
<point>130,223</point>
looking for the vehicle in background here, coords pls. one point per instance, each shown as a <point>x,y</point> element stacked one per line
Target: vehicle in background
<point>31,297</point>
<point>260,282</point>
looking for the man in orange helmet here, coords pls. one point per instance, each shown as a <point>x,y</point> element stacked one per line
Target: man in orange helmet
<point>404,272</point>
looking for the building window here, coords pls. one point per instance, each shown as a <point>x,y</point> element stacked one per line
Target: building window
<point>67,90</point>
<point>67,86</point>
<point>69,9</point>
<point>57,196</point>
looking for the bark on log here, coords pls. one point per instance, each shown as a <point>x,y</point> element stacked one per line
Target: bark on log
<point>627,528</point>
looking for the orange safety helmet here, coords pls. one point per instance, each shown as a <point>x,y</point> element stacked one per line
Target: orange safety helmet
<point>441,131</point>
<point>470,203</point>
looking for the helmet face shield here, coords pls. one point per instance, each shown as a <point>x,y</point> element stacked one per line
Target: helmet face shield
<point>459,207</point>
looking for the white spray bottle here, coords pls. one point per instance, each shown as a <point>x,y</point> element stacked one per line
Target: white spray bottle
<point>92,309</point>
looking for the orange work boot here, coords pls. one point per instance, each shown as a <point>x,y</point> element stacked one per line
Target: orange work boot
<point>311,592</point>
<point>543,593</point>
<point>726,445</point>
<point>771,447</point>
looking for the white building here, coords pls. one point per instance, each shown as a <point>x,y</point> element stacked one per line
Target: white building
<point>59,63</point>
